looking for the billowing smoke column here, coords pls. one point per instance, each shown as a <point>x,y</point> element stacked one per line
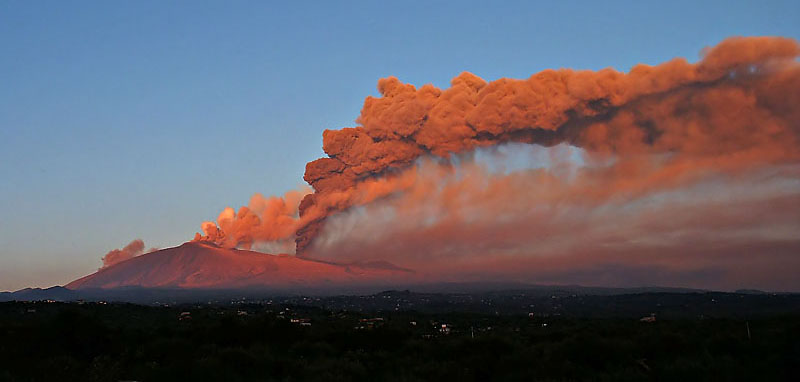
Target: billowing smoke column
<point>735,108</point>
<point>271,219</point>
<point>133,249</point>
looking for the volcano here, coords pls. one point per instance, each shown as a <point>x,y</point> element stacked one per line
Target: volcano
<point>206,266</point>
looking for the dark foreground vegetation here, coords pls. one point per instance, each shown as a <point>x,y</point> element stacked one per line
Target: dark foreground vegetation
<point>288,340</point>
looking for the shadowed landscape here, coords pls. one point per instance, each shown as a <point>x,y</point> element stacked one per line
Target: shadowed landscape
<point>541,334</point>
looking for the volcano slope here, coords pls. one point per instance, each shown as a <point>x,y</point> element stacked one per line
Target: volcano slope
<point>206,266</point>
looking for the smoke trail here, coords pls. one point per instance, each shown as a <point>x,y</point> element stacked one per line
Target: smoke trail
<point>581,222</point>
<point>133,249</point>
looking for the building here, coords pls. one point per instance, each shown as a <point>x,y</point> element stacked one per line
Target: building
<point>370,323</point>
<point>301,321</point>
<point>650,318</point>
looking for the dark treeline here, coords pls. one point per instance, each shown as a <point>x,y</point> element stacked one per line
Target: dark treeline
<point>41,341</point>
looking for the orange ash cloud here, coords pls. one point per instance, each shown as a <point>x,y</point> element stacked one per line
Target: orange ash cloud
<point>263,220</point>
<point>679,128</point>
<point>733,109</point>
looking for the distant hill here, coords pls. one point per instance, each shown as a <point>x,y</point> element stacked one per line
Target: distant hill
<point>56,293</point>
<point>542,302</point>
<point>546,290</point>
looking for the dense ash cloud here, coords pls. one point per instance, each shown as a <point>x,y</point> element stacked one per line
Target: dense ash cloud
<point>273,219</point>
<point>733,109</point>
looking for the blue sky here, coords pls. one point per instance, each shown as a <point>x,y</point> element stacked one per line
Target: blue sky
<point>141,119</point>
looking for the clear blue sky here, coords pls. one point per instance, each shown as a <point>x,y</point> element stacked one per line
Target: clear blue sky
<point>140,119</point>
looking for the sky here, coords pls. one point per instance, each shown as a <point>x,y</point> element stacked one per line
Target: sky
<point>123,120</point>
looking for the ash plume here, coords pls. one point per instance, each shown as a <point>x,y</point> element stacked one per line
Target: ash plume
<point>733,109</point>
<point>273,219</point>
<point>651,130</point>
<point>133,249</point>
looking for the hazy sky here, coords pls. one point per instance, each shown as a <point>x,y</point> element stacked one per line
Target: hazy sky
<point>123,120</point>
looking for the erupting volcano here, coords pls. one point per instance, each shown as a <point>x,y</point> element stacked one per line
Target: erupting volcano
<point>632,163</point>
